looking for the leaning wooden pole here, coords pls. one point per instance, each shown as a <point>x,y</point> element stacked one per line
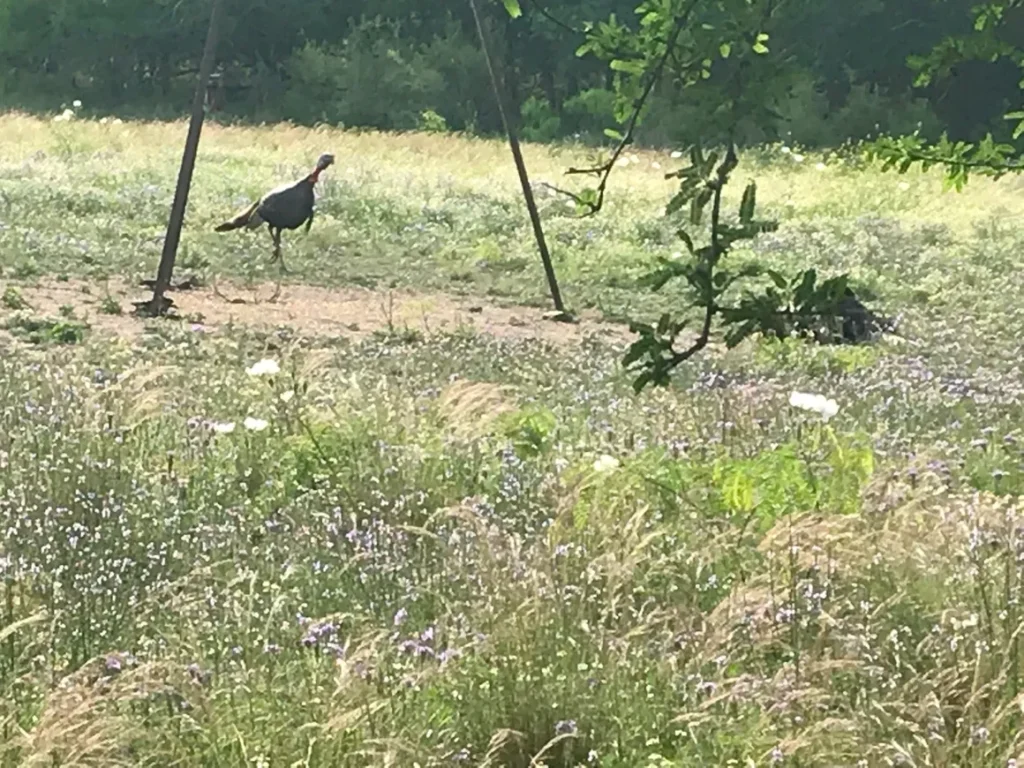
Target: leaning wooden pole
<point>158,305</point>
<point>517,156</point>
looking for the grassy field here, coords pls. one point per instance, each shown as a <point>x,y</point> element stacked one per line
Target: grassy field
<point>265,544</point>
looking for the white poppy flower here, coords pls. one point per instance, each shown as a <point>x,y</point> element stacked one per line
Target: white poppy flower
<point>823,406</point>
<point>606,463</point>
<point>265,367</point>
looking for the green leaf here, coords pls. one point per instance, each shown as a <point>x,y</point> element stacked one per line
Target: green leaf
<point>725,49</point>
<point>738,492</point>
<point>778,278</point>
<point>687,240</point>
<point>512,6</point>
<point>1019,115</point>
<point>760,48</point>
<point>629,67</point>
<point>678,201</point>
<point>697,205</point>
<point>806,287</point>
<point>738,334</point>
<point>611,133</point>
<point>748,202</point>
<point>640,347</point>
<point>641,381</point>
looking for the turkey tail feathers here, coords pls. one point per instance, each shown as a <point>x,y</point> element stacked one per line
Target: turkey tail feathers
<point>245,218</point>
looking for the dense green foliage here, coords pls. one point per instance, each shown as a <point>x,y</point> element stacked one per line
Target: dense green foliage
<point>994,38</point>
<point>400,64</point>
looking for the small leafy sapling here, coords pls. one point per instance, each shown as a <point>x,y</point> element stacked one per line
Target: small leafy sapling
<point>654,354</point>
<point>770,303</point>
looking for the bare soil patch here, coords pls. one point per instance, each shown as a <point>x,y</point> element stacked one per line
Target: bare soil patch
<point>315,311</point>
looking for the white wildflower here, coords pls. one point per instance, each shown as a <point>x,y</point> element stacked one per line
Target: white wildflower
<point>622,162</point>
<point>798,158</point>
<point>254,424</point>
<point>77,103</point>
<point>606,463</point>
<point>903,186</point>
<point>287,396</point>
<point>676,154</point>
<point>265,367</point>
<point>824,406</point>
<point>655,165</point>
<point>785,150</point>
<point>223,427</point>
<point>820,166</point>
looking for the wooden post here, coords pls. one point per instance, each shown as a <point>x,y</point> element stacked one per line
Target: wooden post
<point>159,304</point>
<point>517,156</point>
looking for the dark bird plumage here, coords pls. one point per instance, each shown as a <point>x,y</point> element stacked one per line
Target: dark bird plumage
<point>288,206</point>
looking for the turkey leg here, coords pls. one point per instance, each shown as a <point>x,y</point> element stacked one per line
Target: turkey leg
<point>276,234</point>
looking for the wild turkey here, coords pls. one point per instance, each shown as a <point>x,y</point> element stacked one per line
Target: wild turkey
<point>851,322</point>
<point>288,206</point>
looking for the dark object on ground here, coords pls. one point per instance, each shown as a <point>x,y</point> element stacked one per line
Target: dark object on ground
<point>854,323</point>
<point>165,308</point>
<point>288,206</point>
<point>559,316</point>
<point>188,284</point>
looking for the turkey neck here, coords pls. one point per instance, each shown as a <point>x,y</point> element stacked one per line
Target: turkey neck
<point>314,177</point>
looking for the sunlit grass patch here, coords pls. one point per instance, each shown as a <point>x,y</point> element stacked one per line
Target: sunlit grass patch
<point>444,212</point>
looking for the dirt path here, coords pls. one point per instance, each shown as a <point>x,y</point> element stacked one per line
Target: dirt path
<point>315,311</point>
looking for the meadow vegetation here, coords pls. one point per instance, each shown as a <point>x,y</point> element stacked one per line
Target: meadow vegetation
<point>258,547</point>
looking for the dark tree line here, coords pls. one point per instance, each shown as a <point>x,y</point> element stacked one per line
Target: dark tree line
<point>402,64</point>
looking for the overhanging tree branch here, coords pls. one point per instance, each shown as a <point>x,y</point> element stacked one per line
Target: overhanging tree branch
<point>604,170</point>
<point>552,18</point>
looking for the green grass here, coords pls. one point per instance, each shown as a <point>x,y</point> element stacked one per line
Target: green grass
<point>453,549</point>
<point>431,211</point>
